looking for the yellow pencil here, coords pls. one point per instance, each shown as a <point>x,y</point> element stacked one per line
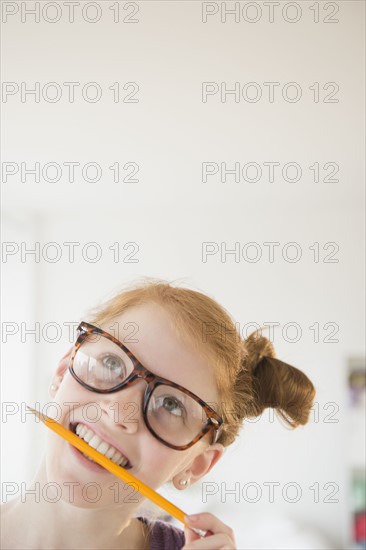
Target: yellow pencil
<point>118,471</point>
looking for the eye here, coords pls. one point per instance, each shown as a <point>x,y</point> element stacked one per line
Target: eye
<point>113,363</point>
<point>172,405</point>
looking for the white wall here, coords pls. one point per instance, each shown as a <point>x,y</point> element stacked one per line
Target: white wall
<point>170,212</point>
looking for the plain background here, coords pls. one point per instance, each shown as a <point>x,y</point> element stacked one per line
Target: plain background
<point>170,212</point>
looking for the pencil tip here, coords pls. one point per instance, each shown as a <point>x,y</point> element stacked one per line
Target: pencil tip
<point>37,413</point>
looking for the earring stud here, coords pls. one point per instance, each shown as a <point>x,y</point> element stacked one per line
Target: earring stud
<point>183,482</point>
<point>53,387</point>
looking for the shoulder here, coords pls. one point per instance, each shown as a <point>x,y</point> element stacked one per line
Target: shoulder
<point>163,535</point>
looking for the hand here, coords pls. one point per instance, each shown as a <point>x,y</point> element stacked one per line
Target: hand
<point>219,536</point>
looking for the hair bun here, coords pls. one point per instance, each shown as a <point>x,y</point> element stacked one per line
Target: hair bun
<point>275,384</point>
<point>255,348</point>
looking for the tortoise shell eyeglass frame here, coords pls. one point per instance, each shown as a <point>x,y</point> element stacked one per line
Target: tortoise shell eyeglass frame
<point>214,420</point>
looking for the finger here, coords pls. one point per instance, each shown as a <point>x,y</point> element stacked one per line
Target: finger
<point>207,521</point>
<point>215,542</point>
<point>190,536</point>
<point>193,533</point>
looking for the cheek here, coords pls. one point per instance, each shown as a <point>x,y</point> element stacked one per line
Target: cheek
<point>69,397</point>
<point>159,464</point>
<point>70,386</point>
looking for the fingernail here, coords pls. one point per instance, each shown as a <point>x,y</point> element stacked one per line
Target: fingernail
<point>193,517</point>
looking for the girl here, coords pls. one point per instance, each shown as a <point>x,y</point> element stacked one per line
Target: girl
<point>159,380</point>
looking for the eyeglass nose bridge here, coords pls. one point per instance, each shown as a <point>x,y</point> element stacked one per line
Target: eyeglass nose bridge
<point>139,372</point>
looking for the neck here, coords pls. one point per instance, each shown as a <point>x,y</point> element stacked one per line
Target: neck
<point>35,522</point>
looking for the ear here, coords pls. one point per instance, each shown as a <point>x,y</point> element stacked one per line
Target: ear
<point>200,465</point>
<point>60,372</point>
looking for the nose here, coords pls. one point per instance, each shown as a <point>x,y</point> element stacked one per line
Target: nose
<point>124,407</point>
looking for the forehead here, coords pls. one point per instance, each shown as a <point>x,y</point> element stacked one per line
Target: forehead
<point>148,332</point>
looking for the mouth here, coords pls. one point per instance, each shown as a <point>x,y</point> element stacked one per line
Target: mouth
<point>98,443</point>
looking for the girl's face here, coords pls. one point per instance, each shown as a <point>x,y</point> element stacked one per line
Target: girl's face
<point>118,416</point>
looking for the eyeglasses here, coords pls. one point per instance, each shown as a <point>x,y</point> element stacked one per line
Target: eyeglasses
<point>175,416</point>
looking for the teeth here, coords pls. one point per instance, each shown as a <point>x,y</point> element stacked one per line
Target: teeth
<point>110,452</point>
<point>88,457</point>
<point>101,446</point>
<point>87,436</point>
<point>94,441</point>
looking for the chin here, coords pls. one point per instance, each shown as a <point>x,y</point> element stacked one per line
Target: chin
<point>68,482</point>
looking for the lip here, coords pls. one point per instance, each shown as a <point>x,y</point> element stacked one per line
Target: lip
<point>93,466</point>
<point>103,436</point>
